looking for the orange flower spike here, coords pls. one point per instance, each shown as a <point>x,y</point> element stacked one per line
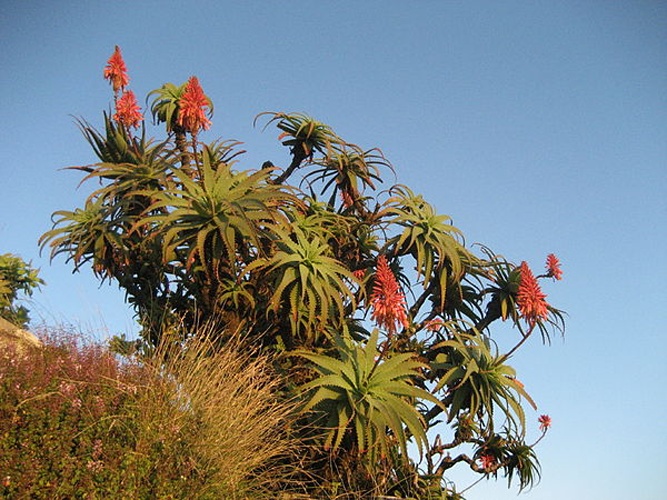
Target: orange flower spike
<point>434,325</point>
<point>192,108</point>
<point>387,300</point>
<point>128,112</point>
<point>116,71</point>
<point>348,201</point>
<point>488,461</point>
<point>545,422</point>
<point>553,267</point>
<point>531,300</point>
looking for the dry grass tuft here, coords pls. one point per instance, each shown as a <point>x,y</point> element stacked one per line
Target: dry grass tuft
<point>227,400</point>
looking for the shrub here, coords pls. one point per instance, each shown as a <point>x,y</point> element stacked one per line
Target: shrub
<point>79,422</point>
<point>18,279</point>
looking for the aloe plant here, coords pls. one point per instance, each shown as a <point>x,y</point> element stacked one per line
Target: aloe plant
<point>367,398</point>
<point>391,316</point>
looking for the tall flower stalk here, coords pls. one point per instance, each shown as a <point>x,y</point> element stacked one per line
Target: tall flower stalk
<point>116,72</point>
<point>530,298</point>
<point>553,267</point>
<point>193,108</point>
<point>387,300</point>
<point>128,112</point>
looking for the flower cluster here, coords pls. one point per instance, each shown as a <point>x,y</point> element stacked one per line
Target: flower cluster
<point>545,422</point>
<point>128,112</point>
<point>387,300</point>
<point>347,199</point>
<point>488,461</point>
<point>434,325</point>
<point>553,267</point>
<point>95,464</point>
<point>116,71</point>
<point>531,300</point>
<point>192,108</point>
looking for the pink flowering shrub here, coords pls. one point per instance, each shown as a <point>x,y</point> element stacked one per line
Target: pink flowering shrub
<point>80,422</point>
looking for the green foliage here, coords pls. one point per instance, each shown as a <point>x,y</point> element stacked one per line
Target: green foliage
<point>214,217</point>
<point>69,418</point>
<point>427,236</point>
<point>348,170</point>
<point>88,235</point>
<point>115,147</point>
<point>365,396</point>
<point>17,278</point>
<point>308,280</point>
<point>287,257</point>
<point>303,134</point>
<point>479,381</point>
<point>522,461</point>
<point>165,104</point>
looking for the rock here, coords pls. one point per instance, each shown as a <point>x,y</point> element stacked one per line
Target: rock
<point>10,334</point>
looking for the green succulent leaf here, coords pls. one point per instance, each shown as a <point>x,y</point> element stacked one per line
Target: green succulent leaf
<point>218,217</point>
<point>373,398</point>
<point>309,282</point>
<point>429,238</point>
<point>479,381</point>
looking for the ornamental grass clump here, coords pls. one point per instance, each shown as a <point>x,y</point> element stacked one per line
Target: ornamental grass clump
<point>227,400</point>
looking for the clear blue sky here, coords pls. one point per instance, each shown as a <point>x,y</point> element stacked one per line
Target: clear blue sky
<point>539,126</point>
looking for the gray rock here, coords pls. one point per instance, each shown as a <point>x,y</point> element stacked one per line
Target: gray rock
<point>11,334</point>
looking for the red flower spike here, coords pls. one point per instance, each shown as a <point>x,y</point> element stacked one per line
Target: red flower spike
<point>487,460</point>
<point>192,108</point>
<point>116,71</point>
<point>531,300</point>
<point>545,422</point>
<point>128,112</point>
<point>553,267</point>
<point>387,300</point>
<point>434,325</point>
<point>348,201</point>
